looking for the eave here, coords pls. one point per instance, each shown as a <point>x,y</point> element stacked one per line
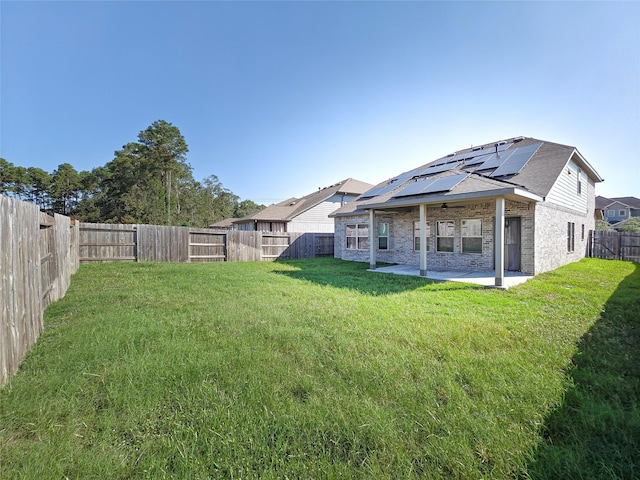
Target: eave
<point>510,193</point>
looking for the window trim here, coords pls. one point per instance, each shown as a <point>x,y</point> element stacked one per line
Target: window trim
<point>463,236</point>
<point>571,237</point>
<point>416,238</point>
<point>359,239</point>
<point>452,236</point>
<point>579,185</point>
<point>381,236</point>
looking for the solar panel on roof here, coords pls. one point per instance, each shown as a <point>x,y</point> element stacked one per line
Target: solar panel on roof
<point>445,184</point>
<point>433,169</point>
<point>495,160</point>
<point>478,160</point>
<point>517,160</point>
<point>414,188</point>
<point>442,184</point>
<point>376,191</point>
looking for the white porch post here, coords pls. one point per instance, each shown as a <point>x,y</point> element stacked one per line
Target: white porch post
<point>499,242</point>
<point>372,238</point>
<point>423,239</point>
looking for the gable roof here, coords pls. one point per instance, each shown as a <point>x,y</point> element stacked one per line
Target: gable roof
<point>604,202</point>
<point>478,172</point>
<point>288,209</point>
<point>226,223</point>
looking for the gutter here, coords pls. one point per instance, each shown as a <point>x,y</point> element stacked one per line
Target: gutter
<point>417,200</point>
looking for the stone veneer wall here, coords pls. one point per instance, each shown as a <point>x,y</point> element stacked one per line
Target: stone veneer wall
<point>401,237</point>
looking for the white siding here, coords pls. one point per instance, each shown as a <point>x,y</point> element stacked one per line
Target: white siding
<point>564,192</point>
<point>317,219</point>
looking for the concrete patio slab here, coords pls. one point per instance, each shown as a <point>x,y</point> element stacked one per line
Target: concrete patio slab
<point>487,278</point>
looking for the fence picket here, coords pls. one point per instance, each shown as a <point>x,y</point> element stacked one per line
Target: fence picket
<point>615,245</point>
<point>38,255</point>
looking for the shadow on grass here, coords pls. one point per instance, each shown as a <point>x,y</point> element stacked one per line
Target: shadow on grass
<point>595,434</point>
<point>354,276</point>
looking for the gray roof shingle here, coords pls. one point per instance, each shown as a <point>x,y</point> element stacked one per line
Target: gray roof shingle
<point>535,180</point>
<point>292,207</point>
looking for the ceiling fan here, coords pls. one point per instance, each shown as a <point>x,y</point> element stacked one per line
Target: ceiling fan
<point>445,206</point>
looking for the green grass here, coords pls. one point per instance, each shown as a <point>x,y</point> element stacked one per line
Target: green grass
<point>320,369</point>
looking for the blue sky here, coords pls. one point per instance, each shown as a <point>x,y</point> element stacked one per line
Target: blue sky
<point>278,99</point>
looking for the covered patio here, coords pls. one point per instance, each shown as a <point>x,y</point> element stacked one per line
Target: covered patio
<point>486,278</point>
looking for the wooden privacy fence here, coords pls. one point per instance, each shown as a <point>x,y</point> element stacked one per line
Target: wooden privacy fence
<point>105,242</point>
<point>614,245</point>
<point>38,254</point>
<point>100,242</point>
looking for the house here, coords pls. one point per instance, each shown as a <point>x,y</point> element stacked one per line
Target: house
<point>618,209</point>
<point>442,215</point>
<point>307,214</point>
<point>223,225</point>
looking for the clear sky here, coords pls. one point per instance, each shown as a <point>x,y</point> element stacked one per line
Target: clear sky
<point>280,98</point>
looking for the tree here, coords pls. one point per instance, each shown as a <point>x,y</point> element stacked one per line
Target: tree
<point>164,148</point>
<point>246,208</point>
<point>632,225</point>
<point>65,189</point>
<point>603,226</point>
<point>6,176</point>
<point>39,186</point>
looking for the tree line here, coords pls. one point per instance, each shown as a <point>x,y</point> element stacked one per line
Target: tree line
<point>148,181</point>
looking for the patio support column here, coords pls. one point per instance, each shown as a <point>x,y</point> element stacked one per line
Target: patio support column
<point>498,240</point>
<point>423,239</point>
<point>372,238</point>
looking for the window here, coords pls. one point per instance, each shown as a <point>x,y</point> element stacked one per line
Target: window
<point>582,235</point>
<point>611,213</point>
<point>444,239</point>
<point>471,233</point>
<point>416,236</point>
<point>358,236</point>
<point>622,213</point>
<point>579,181</point>
<point>383,236</point>
<point>571,232</point>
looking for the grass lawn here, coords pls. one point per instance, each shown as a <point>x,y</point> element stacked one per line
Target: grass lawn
<point>320,369</point>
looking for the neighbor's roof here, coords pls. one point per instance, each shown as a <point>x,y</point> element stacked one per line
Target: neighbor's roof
<point>292,207</point>
<point>226,223</point>
<point>518,168</point>
<point>604,202</point>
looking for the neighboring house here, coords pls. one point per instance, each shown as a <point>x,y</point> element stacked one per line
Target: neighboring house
<point>307,214</point>
<point>442,215</point>
<point>618,209</point>
<point>223,225</point>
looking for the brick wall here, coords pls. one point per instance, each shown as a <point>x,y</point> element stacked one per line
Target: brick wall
<point>401,243</point>
<point>551,233</point>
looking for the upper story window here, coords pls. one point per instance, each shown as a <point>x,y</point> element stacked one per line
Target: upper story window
<point>579,188</point>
